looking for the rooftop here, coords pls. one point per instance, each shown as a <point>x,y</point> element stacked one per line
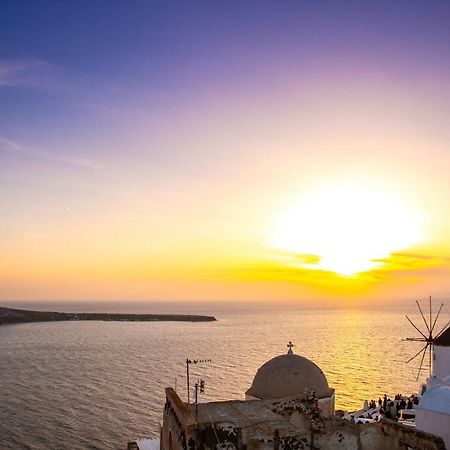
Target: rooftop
<point>262,415</point>
<point>444,339</point>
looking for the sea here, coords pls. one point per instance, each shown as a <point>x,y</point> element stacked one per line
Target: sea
<point>98,385</point>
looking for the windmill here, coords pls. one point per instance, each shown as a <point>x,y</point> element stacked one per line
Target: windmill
<point>426,337</point>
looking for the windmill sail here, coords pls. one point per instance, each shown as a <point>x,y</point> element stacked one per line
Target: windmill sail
<point>426,337</point>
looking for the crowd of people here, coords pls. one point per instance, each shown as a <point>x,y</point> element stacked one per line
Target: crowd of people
<point>386,407</point>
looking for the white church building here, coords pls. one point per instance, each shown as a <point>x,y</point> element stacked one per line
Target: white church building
<point>433,411</point>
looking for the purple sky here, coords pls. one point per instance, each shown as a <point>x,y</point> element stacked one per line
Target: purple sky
<point>191,123</point>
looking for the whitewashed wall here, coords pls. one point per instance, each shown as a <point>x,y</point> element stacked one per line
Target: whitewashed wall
<point>435,423</point>
<point>441,361</point>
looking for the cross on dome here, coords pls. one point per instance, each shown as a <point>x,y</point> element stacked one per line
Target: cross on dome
<point>289,346</point>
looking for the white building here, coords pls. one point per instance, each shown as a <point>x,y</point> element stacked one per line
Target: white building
<point>433,411</point>
<point>441,355</point>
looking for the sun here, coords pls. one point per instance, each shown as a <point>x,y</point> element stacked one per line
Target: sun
<point>346,229</point>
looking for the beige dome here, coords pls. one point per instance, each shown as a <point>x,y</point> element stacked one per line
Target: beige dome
<point>288,376</point>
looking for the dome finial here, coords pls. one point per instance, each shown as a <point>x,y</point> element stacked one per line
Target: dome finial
<point>290,345</point>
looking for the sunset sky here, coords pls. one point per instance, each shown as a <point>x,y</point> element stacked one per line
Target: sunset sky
<point>224,150</point>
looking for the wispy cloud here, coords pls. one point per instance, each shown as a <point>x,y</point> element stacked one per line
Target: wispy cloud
<point>295,258</point>
<point>22,150</point>
<point>29,73</point>
<point>73,213</point>
<point>74,161</point>
<point>9,144</point>
<point>272,271</point>
<point>397,268</point>
<point>413,261</point>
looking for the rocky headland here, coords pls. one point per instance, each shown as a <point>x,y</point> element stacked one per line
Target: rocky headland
<point>12,315</point>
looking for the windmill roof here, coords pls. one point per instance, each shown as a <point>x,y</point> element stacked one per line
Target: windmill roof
<point>444,339</point>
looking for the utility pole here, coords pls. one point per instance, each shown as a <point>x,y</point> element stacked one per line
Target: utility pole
<point>188,363</point>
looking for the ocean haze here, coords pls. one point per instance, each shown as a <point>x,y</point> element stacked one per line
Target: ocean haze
<point>83,385</point>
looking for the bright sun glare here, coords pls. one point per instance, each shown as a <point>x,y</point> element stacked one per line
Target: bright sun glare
<point>349,228</point>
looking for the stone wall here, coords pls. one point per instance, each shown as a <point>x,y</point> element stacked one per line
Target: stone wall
<point>303,427</point>
<point>178,431</point>
<point>340,434</point>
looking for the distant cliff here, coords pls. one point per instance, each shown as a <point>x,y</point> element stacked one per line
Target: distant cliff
<point>11,315</point>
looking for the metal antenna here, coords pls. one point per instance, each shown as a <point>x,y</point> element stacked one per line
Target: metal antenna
<point>199,387</point>
<point>427,337</point>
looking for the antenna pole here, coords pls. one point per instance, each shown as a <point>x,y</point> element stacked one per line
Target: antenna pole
<point>192,361</point>
<point>187,380</point>
<point>199,386</point>
<point>196,403</point>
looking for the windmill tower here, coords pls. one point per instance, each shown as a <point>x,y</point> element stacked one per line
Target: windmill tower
<point>433,411</point>
<point>428,337</point>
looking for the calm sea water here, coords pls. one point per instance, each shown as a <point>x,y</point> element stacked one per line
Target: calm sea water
<point>86,385</point>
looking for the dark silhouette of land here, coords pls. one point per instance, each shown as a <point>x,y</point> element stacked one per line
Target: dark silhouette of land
<point>11,316</point>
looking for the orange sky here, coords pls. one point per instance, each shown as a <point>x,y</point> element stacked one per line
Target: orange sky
<point>261,161</point>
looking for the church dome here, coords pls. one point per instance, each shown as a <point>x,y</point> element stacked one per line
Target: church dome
<point>288,376</point>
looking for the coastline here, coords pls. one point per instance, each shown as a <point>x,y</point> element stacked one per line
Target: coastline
<point>13,316</point>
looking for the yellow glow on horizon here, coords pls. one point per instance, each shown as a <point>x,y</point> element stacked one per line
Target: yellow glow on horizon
<point>346,228</point>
